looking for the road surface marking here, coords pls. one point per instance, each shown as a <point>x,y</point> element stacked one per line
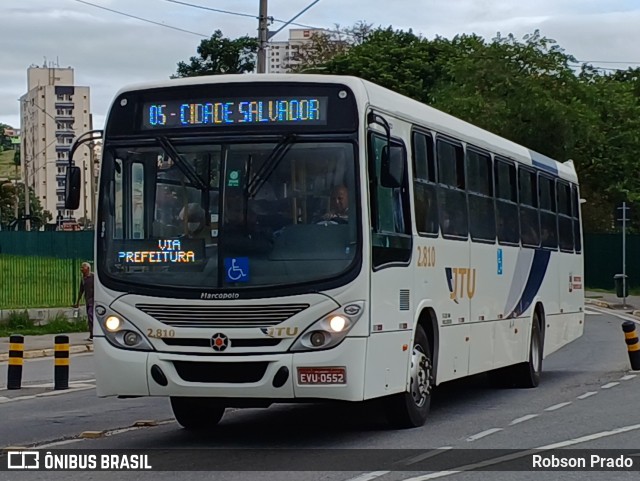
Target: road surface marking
<point>589,312</point>
<point>427,455</point>
<point>483,434</point>
<point>369,476</point>
<point>628,377</point>
<point>510,457</point>
<point>610,385</point>
<point>50,393</point>
<point>587,394</point>
<point>59,443</point>
<point>523,419</point>
<point>610,312</point>
<point>557,406</point>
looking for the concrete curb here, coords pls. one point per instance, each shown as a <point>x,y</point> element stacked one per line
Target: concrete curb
<point>599,303</point>
<point>35,353</point>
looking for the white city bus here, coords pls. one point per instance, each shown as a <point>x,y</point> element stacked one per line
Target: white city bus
<point>286,238</point>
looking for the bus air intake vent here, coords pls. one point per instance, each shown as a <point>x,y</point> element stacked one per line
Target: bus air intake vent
<point>404,300</point>
<point>222,316</point>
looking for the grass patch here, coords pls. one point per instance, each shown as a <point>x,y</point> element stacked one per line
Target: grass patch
<point>7,167</point>
<point>18,322</point>
<point>30,281</point>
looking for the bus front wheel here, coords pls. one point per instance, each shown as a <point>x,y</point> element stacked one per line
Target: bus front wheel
<point>196,413</point>
<point>410,409</point>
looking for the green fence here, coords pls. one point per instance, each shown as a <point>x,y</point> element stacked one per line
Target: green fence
<point>603,260</point>
<point>42,269</point>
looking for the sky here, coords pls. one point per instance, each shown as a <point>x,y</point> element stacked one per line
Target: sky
<point>109,50</point>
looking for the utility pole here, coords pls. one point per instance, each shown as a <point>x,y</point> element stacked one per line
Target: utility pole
<point>27,211</point>
<point>263,25</point>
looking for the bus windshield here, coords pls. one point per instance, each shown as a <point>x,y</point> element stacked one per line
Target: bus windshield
<point>229,215</point>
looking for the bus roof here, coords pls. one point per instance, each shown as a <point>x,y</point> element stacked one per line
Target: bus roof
<point>385,100</point>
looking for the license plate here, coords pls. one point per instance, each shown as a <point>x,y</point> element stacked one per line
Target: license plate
<point>322,375</point>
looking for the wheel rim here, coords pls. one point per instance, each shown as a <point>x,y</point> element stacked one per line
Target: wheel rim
<point>535,352</point>
<point>420,376</point>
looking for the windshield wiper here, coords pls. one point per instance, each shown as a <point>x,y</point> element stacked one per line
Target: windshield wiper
<point>186,169</point>
<point>270,165</point>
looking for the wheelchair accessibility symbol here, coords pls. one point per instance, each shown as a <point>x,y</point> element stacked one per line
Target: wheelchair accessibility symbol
<point>236,269</point>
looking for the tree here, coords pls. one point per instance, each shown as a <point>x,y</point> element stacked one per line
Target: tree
<point>218,55</point>
<point>525,90</point>
<point>323,46</point>
<point>10,194</point>
<point>5,140</point>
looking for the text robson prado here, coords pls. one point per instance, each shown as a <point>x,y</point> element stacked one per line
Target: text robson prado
<point>593,461</point>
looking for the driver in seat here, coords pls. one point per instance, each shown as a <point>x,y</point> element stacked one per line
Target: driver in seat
<point>339,207</point>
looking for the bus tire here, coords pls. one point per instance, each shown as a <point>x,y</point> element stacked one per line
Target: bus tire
<point>196,413</point>
<point>410,409</point>
<point>527,374</point>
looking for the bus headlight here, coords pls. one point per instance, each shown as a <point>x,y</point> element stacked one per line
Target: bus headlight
<point>330,330</point>
<point>122,334</point>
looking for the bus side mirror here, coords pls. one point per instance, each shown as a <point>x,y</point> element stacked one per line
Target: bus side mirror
<point>72,188</point>
<point>392,168</point>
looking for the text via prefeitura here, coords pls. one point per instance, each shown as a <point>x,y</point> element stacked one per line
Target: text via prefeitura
<point>107,462</point>
<point>593,462</point>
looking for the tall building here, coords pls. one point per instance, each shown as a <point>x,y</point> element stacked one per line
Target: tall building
<point>53,113</point>
<point>281,54</point>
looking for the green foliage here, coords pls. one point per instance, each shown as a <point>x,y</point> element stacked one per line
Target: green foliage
<point>219,55</point>
<point>10,194</point>
<point>524,90</point>
<point>19,322</point>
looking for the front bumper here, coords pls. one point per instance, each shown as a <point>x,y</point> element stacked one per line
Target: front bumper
<point>128,373</point>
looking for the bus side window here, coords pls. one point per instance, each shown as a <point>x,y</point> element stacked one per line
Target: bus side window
<point>565,220</point>
<point>548,218</point>
<point>507,215</point>
<point>482,221</point>
<point>390,209</point>
<point>529,214</point>
<point>424,187</point>
<point>452,197</point>
<point>575,201</point>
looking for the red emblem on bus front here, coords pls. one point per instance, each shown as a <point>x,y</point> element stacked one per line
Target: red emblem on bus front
<point>219,342</point>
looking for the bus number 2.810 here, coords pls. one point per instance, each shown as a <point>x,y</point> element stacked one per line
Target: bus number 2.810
<point>426,256</point>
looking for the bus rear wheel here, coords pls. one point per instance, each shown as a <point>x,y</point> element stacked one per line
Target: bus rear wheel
<point>527,374</point>
<point>197,413</point>
<point>410,409</point>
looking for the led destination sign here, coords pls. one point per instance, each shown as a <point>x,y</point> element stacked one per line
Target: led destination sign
<point>235,111</point>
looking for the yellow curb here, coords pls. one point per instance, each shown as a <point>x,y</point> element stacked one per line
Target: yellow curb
<point>92,434</point>
<point>14,448</point>
<point>635,313</point>
<point>604,304</point>
<point>147,423</point>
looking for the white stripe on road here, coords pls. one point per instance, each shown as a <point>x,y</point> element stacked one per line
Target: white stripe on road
<point>427,455</point>
<point>523,419</point>
<point>369,476</point>
<point>609,385</point>
<point>628,377</point>
<point>557,406</point>
<point>483,434</point>
<point>587,394</point>
<point>510,457</point>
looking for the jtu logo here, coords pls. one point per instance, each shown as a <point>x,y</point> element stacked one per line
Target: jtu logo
<point>461,280</point>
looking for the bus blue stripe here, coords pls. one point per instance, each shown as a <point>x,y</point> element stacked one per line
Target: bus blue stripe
<point>536,276</point>
<point>543,162</point>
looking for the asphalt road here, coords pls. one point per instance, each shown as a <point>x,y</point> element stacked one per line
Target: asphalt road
<point>586,400</point>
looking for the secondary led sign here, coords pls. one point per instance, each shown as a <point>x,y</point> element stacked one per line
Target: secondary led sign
<point>236,111</point>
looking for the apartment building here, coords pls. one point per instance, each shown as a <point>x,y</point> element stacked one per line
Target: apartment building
<point>53,112</point>
<point>280,55</point>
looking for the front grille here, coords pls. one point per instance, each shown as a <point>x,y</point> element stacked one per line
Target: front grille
<point>221,372</point>
<point>222,316</point>
<point>191,342</point>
